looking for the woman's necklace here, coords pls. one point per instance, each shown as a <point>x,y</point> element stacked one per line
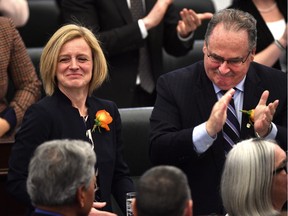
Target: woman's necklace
<point>267,9</point>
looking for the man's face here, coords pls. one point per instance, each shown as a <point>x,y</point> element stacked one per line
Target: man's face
<point>227,57</point>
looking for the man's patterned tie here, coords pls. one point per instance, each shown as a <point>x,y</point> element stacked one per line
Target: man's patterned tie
<point>231,128</point>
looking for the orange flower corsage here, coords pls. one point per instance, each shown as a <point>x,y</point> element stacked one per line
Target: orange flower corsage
<point>102,120</point>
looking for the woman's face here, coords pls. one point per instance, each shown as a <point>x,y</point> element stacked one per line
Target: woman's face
<point>279,184</point>
<point>74,66</point>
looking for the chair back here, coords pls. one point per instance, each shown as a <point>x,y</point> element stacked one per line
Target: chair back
<point>44,20</point>
<point>135,136</point>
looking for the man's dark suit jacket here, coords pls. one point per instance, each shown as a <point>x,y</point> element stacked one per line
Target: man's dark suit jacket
<point>112,23</point>
<point>185,98</point>
<point>55,118</point>
<point>264,36</point>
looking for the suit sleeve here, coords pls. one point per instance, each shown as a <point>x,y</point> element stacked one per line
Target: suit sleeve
<point>33,132</point>
<point>26,82</point>
<point>280,119</point>
<point>170,143</point>
<point>172,44</point>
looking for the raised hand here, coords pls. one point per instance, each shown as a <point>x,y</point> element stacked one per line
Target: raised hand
<point>157,13</point>
<point>219,114</point>
<point>190,21</point>
<point>263,114</point>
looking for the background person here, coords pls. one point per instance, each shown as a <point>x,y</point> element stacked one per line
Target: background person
<point>52,164</point>
<point>188,119</point>
<point>163,191</point>
<point>271,16</point>
<point>254,180</point>
<point>72,66</point>
<point>16,67</point>
<point>122,37</point>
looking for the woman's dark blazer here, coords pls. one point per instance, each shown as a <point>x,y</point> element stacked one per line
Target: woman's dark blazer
<point>54,118</point>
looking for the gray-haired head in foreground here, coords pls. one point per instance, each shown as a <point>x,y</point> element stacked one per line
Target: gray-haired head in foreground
<point>234,20</point>
<point>57,169</point>
<point>162,191</point>
<point>246,183</point>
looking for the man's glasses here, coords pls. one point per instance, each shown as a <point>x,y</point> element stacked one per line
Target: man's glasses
<point>233,61</point>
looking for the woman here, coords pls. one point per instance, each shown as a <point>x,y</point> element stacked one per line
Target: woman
<point>72,66</point>
<point>16,67</point>
<point>271,16</point>
<point>254,180</point>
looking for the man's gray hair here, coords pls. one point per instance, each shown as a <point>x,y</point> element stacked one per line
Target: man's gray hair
<point>57,169</point>
<point>234,20</point>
